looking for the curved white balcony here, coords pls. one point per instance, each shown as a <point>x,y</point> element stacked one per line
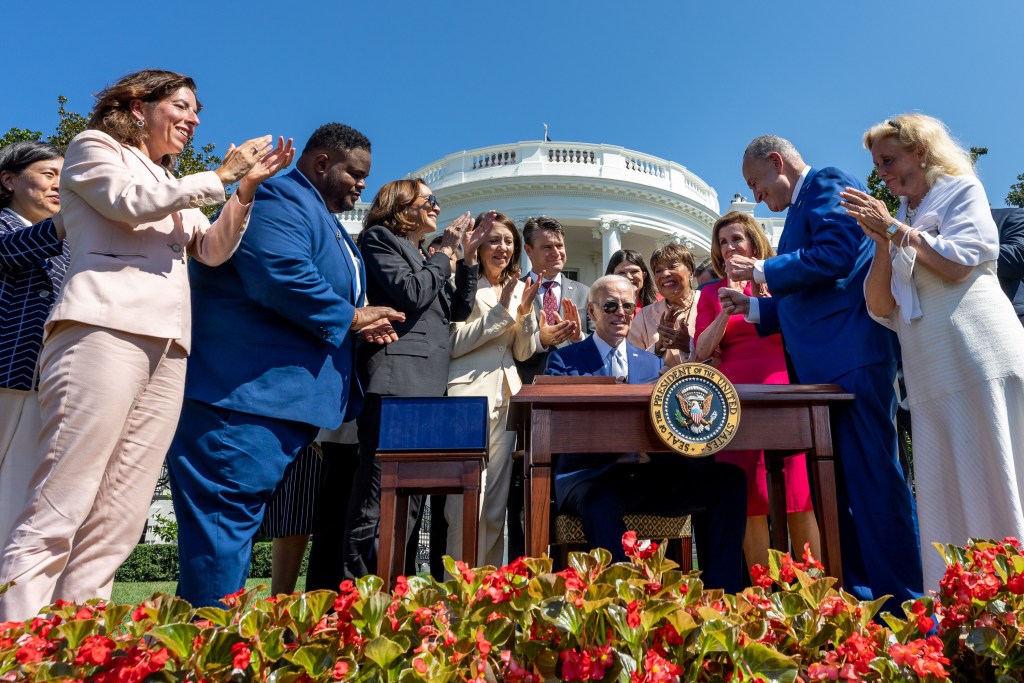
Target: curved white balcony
<point>577,160</point>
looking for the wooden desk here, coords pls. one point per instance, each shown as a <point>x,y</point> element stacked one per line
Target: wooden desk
<point>781,419</point>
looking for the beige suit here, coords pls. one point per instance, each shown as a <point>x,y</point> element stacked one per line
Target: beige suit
<point>484,349</point>
<point>112,366</point>
<point>643,332</point>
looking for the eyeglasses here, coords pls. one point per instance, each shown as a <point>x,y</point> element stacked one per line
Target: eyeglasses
<point>612,306</point>
<point>432,201</point>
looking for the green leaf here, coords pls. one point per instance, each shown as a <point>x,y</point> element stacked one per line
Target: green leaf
<point>76,631</point>
<point>817,591</point>
<point>271,645</point>
<point>215,615</point>
<point>114,615</point>
<point>315,659</point>
<point>565,615</point>
<point>382,651</point>
<point>986,642</point>
<point>372,612</point>
<point>252,623</point>
<point>789,604</point>
<point>368,584</point>
<point>178,638</point>
<point>768,664</point>
<point>216,650</point>
<point>318,602</point>
<point>868,610</point>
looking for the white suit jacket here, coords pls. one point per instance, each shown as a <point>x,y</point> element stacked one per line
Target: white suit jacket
<point>485,347</point>
<point>130,227</point>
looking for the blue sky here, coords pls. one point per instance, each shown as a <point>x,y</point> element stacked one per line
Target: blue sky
<point>686,81</point>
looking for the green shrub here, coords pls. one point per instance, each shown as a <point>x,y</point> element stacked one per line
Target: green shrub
<point>159,562</point>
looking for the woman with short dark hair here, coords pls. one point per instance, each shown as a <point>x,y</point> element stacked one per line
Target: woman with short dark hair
<point>398,275</point>
<point>112,367</point>
<point>666,327</point>
<point>33,259</point>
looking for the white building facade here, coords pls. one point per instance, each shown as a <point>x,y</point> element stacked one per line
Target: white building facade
<point>606,197</point>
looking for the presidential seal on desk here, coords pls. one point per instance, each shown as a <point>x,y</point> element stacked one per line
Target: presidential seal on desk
<point>695,409</point>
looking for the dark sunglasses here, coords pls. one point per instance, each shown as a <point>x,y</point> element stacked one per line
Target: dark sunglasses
<point>432,200</point>
<point>612,306</point>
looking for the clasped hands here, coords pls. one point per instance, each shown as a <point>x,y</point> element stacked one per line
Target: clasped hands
<point>672,332</point>
<point>563,327</point>
<point>871,214</point>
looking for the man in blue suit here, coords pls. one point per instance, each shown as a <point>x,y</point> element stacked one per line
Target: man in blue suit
<point>272,361</point>
<point>817,303</point>
<point>601,488</point>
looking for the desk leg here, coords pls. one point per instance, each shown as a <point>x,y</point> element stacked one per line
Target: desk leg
<point>540,505</point>
<point>777,495</point>
<point>387,538</point>
<point>470,511</point>
<point>537,483</point>
<point>823,476</point>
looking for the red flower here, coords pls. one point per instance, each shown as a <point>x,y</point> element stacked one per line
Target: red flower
<point>640,550</point>
<point>231,599</point>
<point>759,576</point>
<point>465,571</point>
<point>95,650</point>
<point>348,594</point>
<point>573,580</point>
<point>924,656</point>
<point>656,669</point>
<point>633,614</point>
<point>32,649</point>
<point>420,665</point>
<point>832,606</point>
<point>340,670</point>
<point>1015,584</point>
<point>242,655</point>
<point>483,646</point>
<point>82,614</point>
<point>401,586</point>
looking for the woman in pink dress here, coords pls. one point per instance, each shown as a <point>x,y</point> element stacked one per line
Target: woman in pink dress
<point>746,358</point>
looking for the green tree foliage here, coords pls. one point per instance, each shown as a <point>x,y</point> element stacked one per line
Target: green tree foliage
<point>878,190</point>
<point>976,152</point>
<point>70,124</point>
<point>1016,195</point>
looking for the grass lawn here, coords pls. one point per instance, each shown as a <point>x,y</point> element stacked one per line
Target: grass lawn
<point>134,593</point>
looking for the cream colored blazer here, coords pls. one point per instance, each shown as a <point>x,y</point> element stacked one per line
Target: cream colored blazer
<point>485,347</point>
<point>131,226</point>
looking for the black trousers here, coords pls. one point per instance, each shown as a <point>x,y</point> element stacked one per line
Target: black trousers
<point>669,485</point>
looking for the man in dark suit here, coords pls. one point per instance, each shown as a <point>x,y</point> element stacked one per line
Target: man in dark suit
<point>601,488</point>
<point>1011,255</point>
<point>272,359</point>
<point>817,303</point>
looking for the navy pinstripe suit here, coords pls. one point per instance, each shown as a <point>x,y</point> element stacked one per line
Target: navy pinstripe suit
<point>33,261</point>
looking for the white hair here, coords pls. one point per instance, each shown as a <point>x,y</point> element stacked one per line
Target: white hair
<point>602,283</point>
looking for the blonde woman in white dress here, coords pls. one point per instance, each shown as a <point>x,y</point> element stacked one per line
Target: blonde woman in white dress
<point>934,282</point>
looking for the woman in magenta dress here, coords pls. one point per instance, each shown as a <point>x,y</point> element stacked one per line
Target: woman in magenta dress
<point>746,358</point>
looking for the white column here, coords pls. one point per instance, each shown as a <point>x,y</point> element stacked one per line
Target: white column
<point>610,232</point>
<point>524,260</point>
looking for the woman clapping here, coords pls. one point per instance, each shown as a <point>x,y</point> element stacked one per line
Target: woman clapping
<point>113,362</point>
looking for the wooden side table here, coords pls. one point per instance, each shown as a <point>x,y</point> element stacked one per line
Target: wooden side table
<point>435,444</point>
<point>405,474</point>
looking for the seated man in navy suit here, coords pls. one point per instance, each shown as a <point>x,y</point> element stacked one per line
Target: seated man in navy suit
<point>601,488</point>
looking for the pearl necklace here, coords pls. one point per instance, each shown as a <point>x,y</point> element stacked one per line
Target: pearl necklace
<point>911,213</point>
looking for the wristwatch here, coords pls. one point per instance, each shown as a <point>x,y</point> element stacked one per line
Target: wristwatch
<point>893,228</point>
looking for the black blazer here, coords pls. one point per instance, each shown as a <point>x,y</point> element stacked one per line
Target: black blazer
<point>398,276</point>
<point>1011,255</point>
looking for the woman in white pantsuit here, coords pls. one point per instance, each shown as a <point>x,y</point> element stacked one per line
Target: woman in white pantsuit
<point>112,368</point>
<point>500,330</point>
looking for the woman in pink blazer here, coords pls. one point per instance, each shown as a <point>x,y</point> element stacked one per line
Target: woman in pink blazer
<point>112,368</point>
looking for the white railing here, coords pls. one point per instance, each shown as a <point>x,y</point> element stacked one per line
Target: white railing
<point>538,158</point>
